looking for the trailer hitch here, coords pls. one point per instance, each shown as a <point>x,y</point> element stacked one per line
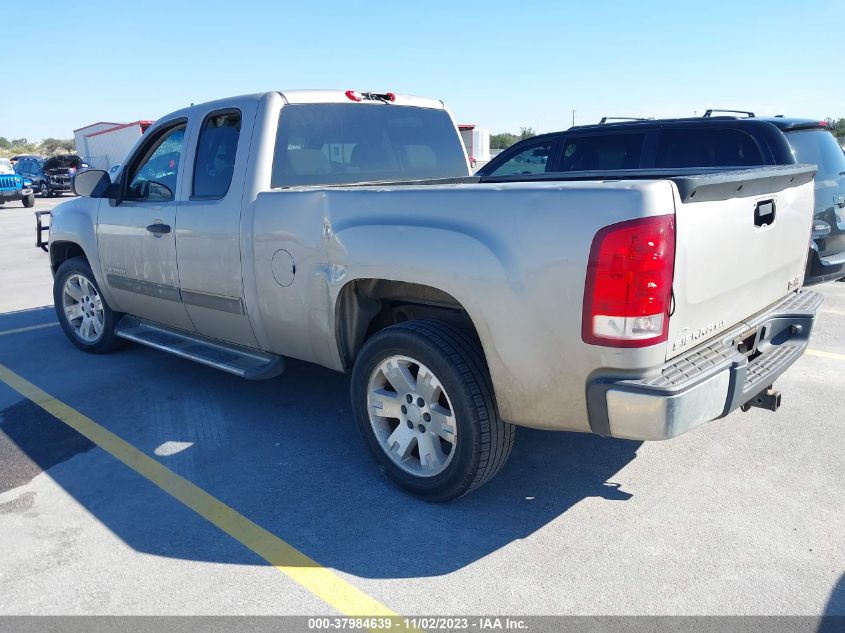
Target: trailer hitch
<point>768,399</point>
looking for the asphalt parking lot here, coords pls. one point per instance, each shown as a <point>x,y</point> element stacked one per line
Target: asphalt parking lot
<point>741,516</point>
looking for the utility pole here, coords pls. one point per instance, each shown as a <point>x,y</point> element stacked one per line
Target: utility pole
<point>573,117</point>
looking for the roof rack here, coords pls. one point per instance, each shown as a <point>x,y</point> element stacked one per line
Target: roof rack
<point>710,112</point>
<point>605,119</point>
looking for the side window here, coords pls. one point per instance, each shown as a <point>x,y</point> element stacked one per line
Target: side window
<point>708,147</point>
<point>216,150</point>
<point>534,159</point>
<point>602,152</point>
<point>153,176</point>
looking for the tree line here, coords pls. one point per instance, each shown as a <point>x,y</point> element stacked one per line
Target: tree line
<point>837,126</point>
<point>506,139</point>
<point>46,147</point>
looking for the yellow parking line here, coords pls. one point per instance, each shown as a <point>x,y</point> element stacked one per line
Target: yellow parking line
<point>322,582</point>
<point>29,328</point>
<point>818,352</point>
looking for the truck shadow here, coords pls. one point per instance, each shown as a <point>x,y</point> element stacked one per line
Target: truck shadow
<point>285,453</point>
<point>833,619</point>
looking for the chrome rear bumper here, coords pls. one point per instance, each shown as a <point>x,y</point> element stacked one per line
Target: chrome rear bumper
<point>709,381</point>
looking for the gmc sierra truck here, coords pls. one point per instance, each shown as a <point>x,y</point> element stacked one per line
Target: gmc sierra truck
<point>344,229</point>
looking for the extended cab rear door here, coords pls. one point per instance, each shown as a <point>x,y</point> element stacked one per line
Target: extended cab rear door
<point>208,226</point>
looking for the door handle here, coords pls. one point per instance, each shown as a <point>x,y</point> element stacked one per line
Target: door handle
<point>159,229</point>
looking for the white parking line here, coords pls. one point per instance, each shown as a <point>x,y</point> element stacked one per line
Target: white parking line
<point>29,328</point>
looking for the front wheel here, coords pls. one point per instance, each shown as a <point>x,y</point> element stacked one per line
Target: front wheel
<point>84,315</point>
<point>44,190</point>
<point>29,201</point>
<point>424,404</point>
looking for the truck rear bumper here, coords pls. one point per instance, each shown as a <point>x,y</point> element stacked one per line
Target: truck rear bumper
<point>707,382</point>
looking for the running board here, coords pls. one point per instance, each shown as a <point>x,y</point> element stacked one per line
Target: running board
<point>241,361</point>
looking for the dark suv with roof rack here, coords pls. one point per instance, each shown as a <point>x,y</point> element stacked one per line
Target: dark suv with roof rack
<point>701,142</point>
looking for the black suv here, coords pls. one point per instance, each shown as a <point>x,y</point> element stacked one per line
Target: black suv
<point>709,141</point>
<point>50,177</point>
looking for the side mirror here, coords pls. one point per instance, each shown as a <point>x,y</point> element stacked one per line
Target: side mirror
<point>92,183</point>
<point>152,190</point>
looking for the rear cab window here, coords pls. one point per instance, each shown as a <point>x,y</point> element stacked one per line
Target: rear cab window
<point>329,143</point>
<point>602,152</point>
<point>706,147</point>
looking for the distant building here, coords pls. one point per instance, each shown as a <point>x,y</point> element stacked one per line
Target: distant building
<point>104,144</point>
<point>477,143</point>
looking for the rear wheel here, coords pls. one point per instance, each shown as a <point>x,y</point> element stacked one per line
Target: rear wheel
<point>424,404</point>
<point>29,201</point>
<point>84,315</point>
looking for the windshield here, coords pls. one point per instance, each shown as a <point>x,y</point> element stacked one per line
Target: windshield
<point>6,166</point>
<point>818,147</point>
<point>330,143</point>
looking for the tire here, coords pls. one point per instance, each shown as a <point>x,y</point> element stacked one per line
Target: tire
<point>83,285</point>
<point>29,201</point>
<point>457,462</point>
<point>45,190</point>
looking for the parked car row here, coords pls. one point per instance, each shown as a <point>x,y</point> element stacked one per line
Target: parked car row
<point>722,142</point>
<point>49,176</point>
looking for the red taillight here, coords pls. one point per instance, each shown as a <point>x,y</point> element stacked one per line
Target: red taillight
<point>352,95</point>
<point>390,96</point>
<point>628,289</point>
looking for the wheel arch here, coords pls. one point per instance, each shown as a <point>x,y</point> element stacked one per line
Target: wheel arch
<point>366,305</point>
<point>63,250</point>
<point>73,233</point>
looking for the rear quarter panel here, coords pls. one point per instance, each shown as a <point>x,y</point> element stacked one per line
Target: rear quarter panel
<point>514,255</point>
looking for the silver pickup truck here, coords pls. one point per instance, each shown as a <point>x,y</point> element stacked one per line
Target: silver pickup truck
<point>343,228</point>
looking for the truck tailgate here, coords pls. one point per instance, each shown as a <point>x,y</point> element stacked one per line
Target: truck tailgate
<point>742,240</point>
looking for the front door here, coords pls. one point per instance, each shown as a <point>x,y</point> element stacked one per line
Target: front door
<point>136,234</point>
<point>208,231</point>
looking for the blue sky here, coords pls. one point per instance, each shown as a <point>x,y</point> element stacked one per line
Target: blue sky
<point>500,65</point>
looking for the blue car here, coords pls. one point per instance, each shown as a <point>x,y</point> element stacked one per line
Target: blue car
<point>14,186</point>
